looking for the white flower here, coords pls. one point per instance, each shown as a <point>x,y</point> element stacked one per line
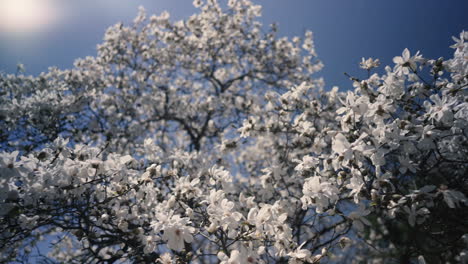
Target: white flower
<point>222,213</point>
<point>318,193</point>
<point>176,236</point>
<point>188,187</point>
<point>342,146</point>
<point>369,63</point>
<point>219,175</point>
<point>270,221</point>
<point>355,185</point>
<point>405,61</point>
<point>441,110</point>
<point>247,126</point>
<point>244,256</point>
<point>307,163</point>
<point>197,3</point>
<point>378,157</point>
<point>176,230</point>
<point>300,255</point>
<point>8,160</point>
<point>9,168</point>
<point>460,42</point>
<point>381,109</point>
<point>165,258</point>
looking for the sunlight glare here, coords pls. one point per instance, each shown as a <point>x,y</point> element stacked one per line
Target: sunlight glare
<point>27,16</point>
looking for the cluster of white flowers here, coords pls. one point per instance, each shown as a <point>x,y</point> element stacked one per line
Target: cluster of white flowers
<point>207,141</point>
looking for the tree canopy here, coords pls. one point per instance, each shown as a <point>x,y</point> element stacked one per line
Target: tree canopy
<point>211,140</point>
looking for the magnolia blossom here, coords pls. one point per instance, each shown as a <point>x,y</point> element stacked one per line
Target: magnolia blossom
<point>319,194</point>
<point>441,110</point>
<point>210,140</point>
<point>342,146</point>
<point>246,256</point>
<point>176,233</point>
<point>406,63</point>
<point>307,163</point>
<point>165,258</point>
<point>369,64</point>
<point>300,255</point>
<point>355,184</point>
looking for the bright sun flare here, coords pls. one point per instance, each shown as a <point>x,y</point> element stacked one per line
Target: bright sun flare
<point>26,16</point>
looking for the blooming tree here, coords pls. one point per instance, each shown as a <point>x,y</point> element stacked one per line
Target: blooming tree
<point>208,141</point>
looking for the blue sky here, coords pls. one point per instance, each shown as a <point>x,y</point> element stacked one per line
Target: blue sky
<point>61,31</point>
